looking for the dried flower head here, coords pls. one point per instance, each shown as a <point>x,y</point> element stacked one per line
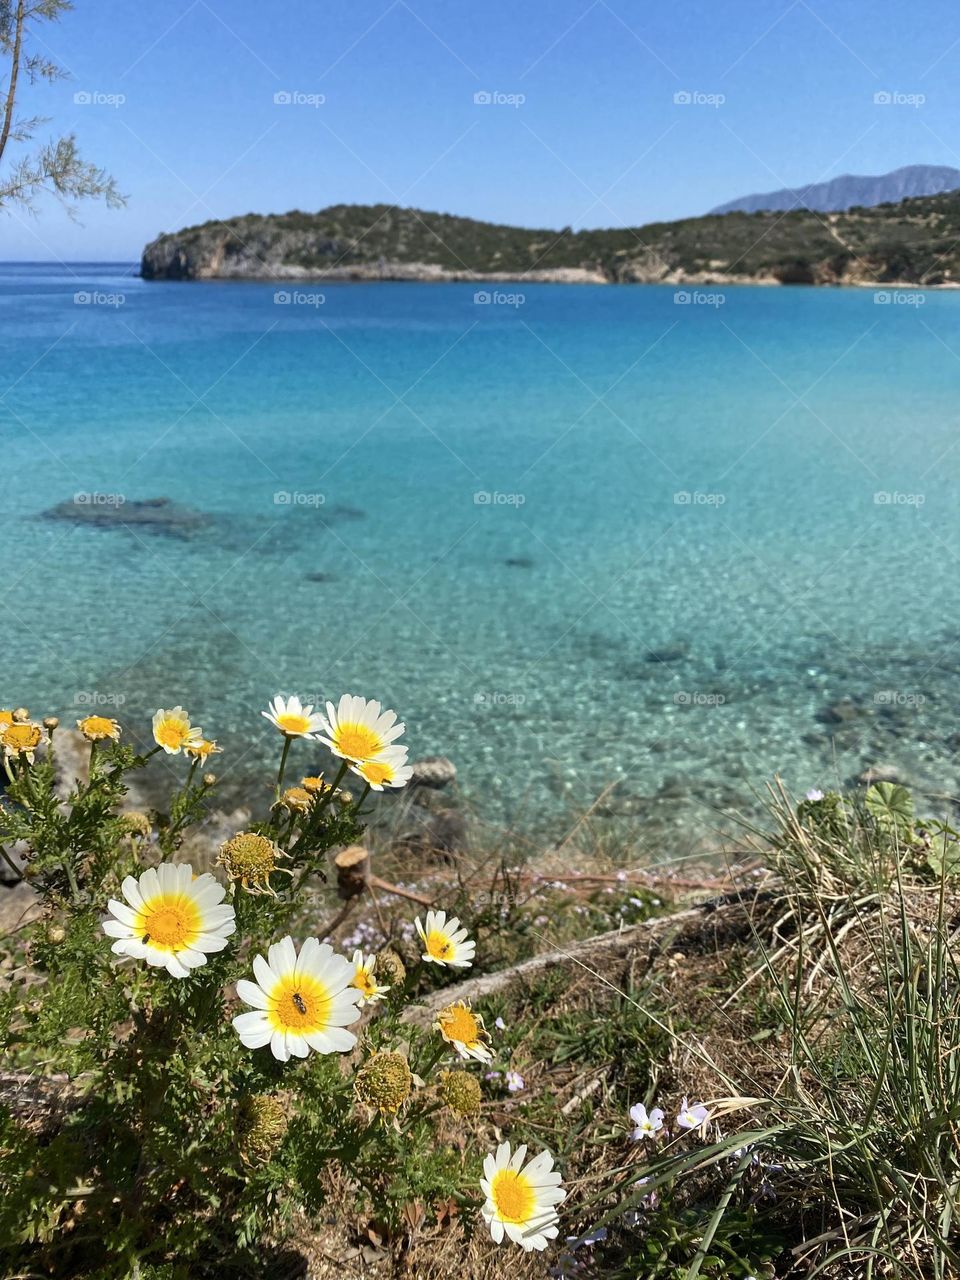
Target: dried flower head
<point>96,728</point>
<point>21,738</point>
<point>136,823</point>
<point>384,1082</point>
<point>464,1029</point>
<point>390,969</point>
<point>262,1123</point>
<point>460,1091</point>
<point>297,800</point>
<point>251,859</point>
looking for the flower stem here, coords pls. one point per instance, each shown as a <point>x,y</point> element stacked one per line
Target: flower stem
<point>283,762</point>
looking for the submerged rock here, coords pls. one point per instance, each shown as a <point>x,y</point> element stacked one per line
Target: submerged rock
<point>519,562</point>
<point>320,576</point>
<point>433,771</point>
<point>670,653</point>
<point>112,511</point>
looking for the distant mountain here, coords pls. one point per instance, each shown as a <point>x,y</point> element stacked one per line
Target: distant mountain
<point>912,242</point>
<point>851,190</point>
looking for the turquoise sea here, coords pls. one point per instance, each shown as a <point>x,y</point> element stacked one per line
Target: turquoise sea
<point>574,535</point>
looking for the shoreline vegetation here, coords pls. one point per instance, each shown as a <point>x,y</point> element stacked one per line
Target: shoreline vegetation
<point>741,1070</point>
<point>915,243</point>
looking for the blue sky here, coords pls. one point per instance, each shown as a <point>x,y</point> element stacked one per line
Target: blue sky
<point>584,130</point>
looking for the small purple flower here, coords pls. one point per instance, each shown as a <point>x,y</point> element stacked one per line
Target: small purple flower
<point>491,1075</point>
<point>813,795</point>
<point>515,1082</point>
<point>692,1117</point>
<point>648,1125</point>
<point>500,1024</point>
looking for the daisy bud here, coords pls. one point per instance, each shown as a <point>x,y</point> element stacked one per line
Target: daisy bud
<point>21,714</point>
<point>460,1091</point>
<point>56,934</point>
<point>384,1082</point>
<point>390,969</point>
<point>262,1123</point>
<point>209,779</point>
<point>50,723</point>
<point>251,859</point>
<point>345,799</point>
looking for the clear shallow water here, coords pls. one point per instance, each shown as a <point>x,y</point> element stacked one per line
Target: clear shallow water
<point>583,626</point>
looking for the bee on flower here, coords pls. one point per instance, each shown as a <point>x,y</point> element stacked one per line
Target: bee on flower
<point>170,918</point>
<point>444,941</point>
<point>300,1001</point>
<point>97,728</point>
<point>292,718</point>
<point>365,979</point>
<point>464,1029</point>
<point>358,730</point>
<point>521,1200</point>
<point>173,731</point>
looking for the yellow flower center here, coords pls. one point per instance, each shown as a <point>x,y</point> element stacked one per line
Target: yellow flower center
<point>22,737</point>
<point>171,733</point>
<point>376,772</point>
<point>169,923</point>
<point>513,1196</point>
<point>294,725</point>
<point>300,1004</point>
<point>6,718</point>
<point>364,982</point>
<point>439,945</point>
<point>357,741</point>
<point>94,727</point>
<point>459,1023</point>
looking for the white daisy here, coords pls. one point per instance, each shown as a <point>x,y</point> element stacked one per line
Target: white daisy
<point>358,730</point>
<point>363,978</point>
<point>300,1002</point>
<point>521,1201</point>
<point>389,770</point>
<point>172,730</point>
<point>444,941</point>
<point>170,918</point>
<point>648,1124</point>
<point>292,718</point>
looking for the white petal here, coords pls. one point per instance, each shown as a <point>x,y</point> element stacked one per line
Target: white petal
<point>114,929</point>
<point>250,993</point>
<point>255,1020</point>
<point>283,957</point>
<point>297,1045</point>
<point>131,891</point>
<point>264,974</point>
<point>278,1046</point>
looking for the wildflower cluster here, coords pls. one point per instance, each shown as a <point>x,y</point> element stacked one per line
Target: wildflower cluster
<point>201,1039</point>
